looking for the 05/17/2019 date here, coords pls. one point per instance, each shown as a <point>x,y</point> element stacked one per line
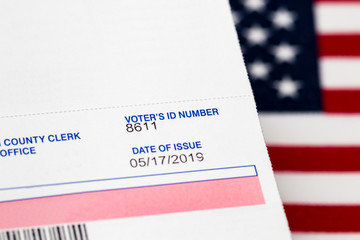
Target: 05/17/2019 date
<point>166,160</point>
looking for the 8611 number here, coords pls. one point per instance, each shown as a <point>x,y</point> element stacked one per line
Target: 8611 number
<point>138,127</point>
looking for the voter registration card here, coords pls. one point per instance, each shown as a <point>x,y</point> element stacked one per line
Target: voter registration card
<point>129,120</point>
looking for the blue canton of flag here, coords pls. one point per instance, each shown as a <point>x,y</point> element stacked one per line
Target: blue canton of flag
<point>278,43</point>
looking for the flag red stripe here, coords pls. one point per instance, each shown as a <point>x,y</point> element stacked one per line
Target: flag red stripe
<point>339,45</point>
<point>341,101</point>
<point>310,158</point>
<point>322,218</point>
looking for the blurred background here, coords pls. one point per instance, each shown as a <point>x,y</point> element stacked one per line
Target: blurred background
<point>303,61</point>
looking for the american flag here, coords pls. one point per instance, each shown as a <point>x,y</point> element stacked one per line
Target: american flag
<point>303,60</point>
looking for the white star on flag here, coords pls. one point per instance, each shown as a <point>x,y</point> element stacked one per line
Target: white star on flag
<point>285,52</point>
<point>254,5</point>
<point>256,35</point>
<point>236,17</point>
<point>283,18</point>
<point>287,87</point>
<point>259,70</point>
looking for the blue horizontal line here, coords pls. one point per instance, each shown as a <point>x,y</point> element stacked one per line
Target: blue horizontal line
<point>119,178</point>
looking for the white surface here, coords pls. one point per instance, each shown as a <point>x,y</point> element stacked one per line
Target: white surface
<point>314,129</point>
<point>319,188</point>
<point>340,17</point>
<point>217,224</point>
<point>340,73</point>
<point>94,53</point>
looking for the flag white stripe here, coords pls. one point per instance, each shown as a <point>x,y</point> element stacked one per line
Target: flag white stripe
<point>340,73</point>
<point>337,17</point>
<point>319,188</point>
<point>311,129</point>
<point>323,236</point>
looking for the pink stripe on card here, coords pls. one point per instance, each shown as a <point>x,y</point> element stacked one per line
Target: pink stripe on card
<point>133,202</point>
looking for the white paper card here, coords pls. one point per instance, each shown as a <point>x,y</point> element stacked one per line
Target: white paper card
<point>129,119</point>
